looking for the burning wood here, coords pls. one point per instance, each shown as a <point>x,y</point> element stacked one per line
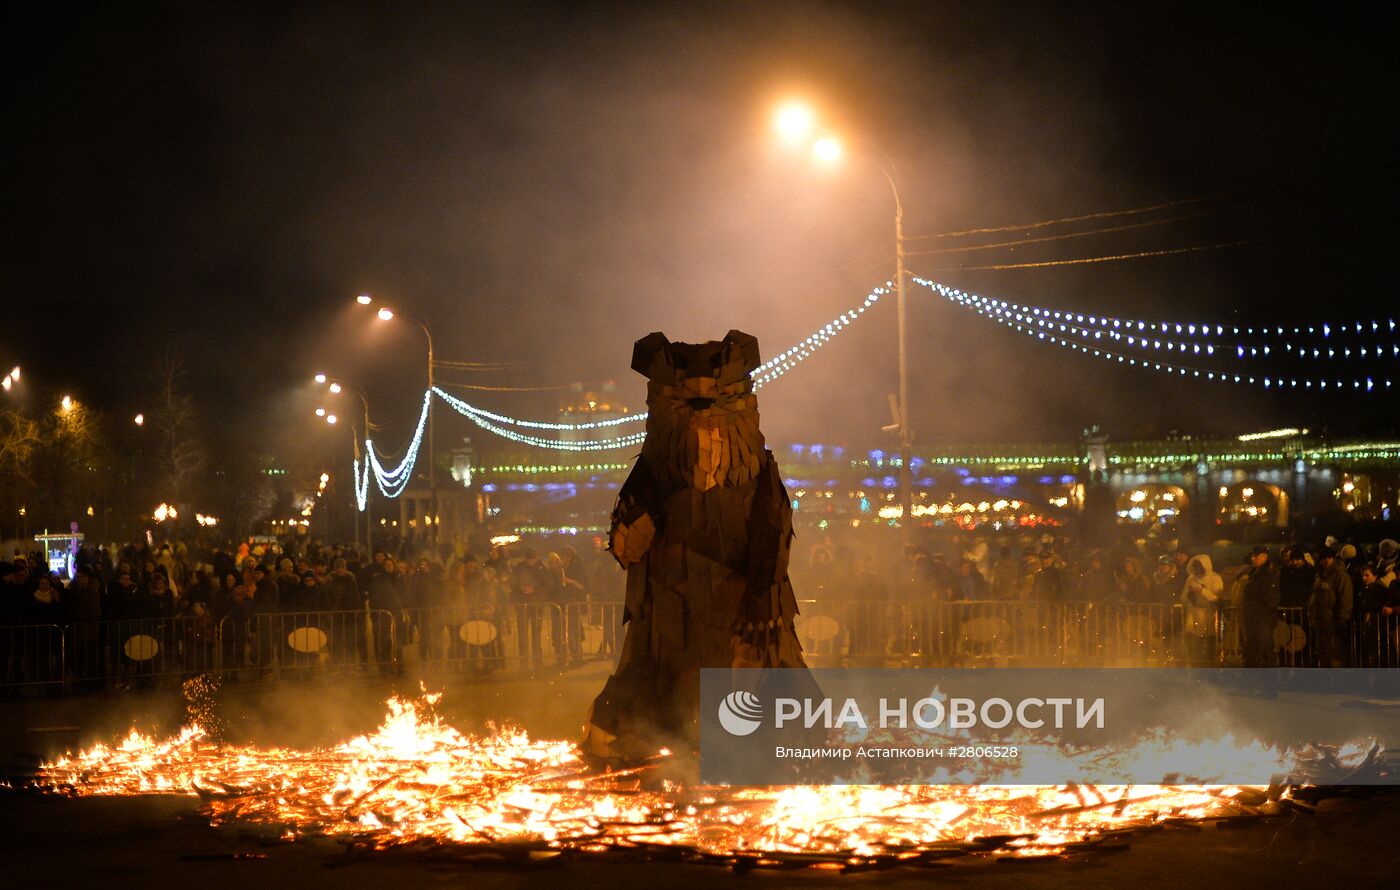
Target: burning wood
<point>417,781</point>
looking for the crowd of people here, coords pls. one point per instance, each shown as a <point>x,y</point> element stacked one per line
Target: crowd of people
<point>241,607</point>
<point>246,600</point>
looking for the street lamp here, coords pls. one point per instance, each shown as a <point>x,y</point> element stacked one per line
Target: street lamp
<point>10,379</point>
<point>796,123</point>
<point>336,387</point>
<point>139,420</point>
<point>827,149</point>
<point>66,403</point>
<point>387,314</point>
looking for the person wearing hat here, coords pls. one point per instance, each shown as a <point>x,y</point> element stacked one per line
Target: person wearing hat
<point>1295,578</point>
<point>1329,608</point>
<point>1259,610</point>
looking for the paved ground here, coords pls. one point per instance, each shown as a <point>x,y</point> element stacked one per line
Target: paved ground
<point>162,842</point>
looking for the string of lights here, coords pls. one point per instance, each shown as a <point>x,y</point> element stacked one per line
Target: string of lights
<point>765,373</point>
<point>785,361</point>
<point>482,419</point>
<point>362,474</point>
<point>1108,323</point>
<point>392,483</point>
<point>1065,322</point>
<point>473,411</point>
<point>994,310</point>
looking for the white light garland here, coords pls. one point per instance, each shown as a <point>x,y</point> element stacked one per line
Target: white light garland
<point>1159,330</point>
<point>392,483</point>
<point>785,361</point>
<point>362,474</point>
<point>1144,336</point>
<point>478,417</point>
<point>989,309</point>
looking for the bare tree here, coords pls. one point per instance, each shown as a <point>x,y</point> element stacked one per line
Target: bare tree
<point>180,453</point>
<point>19,436</point>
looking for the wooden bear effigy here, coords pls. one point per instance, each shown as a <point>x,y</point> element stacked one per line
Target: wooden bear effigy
<point>703,526</point>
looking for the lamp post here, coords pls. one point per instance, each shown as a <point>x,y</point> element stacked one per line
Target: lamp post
<point>335,386</point>
<point>332,420</point>
<point>796,123</point>
<point>387,314</point>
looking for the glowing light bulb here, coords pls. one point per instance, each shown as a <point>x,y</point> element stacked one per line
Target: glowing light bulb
<point>794,121</point>
<point>385,314</point>
<point>827,149</point>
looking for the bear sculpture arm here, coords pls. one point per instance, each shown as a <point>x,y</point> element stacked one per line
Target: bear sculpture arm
<point>633,523</point>
<point>770,541</point>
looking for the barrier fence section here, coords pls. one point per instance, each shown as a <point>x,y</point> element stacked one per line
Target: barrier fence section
<point>31,654</point>
<point>305,643</point>
<point>133,648</point>
<point>482,638</point>
<point>837,633</point>
<point>486,638</point>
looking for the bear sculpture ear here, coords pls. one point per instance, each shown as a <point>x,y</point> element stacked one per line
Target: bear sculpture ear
<point>651,356</point>
<point>740,356</point>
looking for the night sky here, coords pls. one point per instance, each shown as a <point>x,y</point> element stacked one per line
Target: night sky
<point>545,185</point>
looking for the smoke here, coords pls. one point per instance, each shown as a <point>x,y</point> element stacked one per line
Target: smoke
<point>546,186</point>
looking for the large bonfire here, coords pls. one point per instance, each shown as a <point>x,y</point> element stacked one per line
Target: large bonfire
<point>417,780</point>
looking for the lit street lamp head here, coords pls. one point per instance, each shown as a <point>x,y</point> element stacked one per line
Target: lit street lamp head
<point>66,403</point>
<point>794,121</point>
<point>320,378</point>
<point>139,420</point>
<point>364,299</point>
<point>335,388</point>
<point>330,418</point>
<point>320,412</point>
<point>827,149</point>
<point>385,314</point>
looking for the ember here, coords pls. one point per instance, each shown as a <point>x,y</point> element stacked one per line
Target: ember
<point>416,779</point>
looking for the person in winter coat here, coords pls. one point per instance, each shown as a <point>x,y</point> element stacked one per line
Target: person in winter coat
<point>1329,608</point>
<point>1295,578</point>
<point>1259,610</point>
<point>44,605</point>
<point>1200,600</point>
<point>1369,630</point>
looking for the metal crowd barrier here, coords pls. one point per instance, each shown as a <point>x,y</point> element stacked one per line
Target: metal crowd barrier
<point>1034,634</point>
<point>306,643</point>
<point>484,638</point>
<point>134,648</point>
<point>481,639</point>
<point>31,654</point>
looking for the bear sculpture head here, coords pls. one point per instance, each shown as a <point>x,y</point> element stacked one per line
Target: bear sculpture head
<point>702,429</point>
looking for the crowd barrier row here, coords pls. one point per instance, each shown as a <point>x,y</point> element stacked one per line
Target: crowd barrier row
<point>1084,634</point>
<point>537,637</point>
